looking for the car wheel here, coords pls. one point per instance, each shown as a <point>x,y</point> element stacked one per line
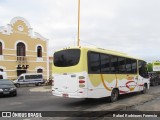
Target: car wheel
<point>17,85</point>
<point>114,95</point>
<point>39,84</point>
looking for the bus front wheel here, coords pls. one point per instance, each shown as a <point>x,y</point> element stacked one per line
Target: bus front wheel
<point>114,95</point>
<point>144,89</point>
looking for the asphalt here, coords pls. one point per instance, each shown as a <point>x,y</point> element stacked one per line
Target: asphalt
<point>40,99</point>
<point>41,89</point>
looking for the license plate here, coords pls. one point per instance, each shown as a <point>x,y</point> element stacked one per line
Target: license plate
<point>65,95</point>
<point>5,92</point>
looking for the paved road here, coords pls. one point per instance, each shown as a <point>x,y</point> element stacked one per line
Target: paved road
<point>44,101</point>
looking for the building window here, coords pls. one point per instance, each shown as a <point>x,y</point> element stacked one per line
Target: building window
<point>21,49</point>
<point>39,70</point>
<point>1,48</point>
<point>39,51</point>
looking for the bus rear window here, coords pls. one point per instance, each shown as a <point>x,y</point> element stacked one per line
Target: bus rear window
<point>66,58</point>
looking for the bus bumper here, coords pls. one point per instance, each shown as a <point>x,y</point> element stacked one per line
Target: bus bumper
<point>78,94</point>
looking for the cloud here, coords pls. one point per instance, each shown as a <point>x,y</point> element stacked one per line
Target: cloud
<point>130,26</point>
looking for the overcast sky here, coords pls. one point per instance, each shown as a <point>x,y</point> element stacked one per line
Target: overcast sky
<point>129,26</point>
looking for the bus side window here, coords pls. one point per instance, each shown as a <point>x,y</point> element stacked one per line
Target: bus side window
<point>122,65</point>
<point>134,66</point>
<point>128,66</point>
<point>93,63</point>
<point>105,63</point>
<point>114,64</point>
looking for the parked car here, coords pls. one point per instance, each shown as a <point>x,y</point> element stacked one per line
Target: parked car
<point>28,78</point>
<point>154,78</point>
<point>7,87</point>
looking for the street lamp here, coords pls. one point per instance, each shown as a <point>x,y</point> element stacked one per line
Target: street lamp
<point>78,43</point>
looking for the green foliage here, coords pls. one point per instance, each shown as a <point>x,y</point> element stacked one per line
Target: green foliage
<point>150,67</point>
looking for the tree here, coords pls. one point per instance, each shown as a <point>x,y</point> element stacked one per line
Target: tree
<point>150,67</point>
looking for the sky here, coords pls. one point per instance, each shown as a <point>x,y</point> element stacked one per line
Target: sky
<point>128,26</point>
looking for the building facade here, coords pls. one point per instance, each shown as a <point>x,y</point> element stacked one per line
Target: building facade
<point>22,50</point>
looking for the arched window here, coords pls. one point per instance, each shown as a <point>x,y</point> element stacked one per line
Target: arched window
<point>1,48</point>
<point>21,49</point>
<point>39,70</point>
<point>39,51</point>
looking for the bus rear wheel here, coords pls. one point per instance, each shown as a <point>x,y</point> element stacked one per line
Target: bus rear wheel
<point>114,95</point>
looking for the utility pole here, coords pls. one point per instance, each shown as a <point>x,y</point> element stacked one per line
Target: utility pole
<point>78,43</point>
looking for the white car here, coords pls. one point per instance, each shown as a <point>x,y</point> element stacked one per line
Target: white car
<point>25,79</point>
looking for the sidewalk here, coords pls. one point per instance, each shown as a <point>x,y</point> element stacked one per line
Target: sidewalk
<point>41,89</point>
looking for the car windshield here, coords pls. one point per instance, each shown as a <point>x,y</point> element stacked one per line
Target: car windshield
<point>5,82</point>
<point>66,58</point>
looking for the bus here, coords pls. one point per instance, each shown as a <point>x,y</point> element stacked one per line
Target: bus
<point>89,72</point>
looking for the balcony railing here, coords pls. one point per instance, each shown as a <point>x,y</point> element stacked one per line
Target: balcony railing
<point>21,59</point>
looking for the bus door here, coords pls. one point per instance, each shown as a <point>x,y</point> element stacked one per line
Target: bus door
<point>143,73</point>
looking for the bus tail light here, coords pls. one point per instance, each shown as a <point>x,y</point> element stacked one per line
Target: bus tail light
<point>81,81</point>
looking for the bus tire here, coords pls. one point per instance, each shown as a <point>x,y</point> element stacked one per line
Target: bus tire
<point>114,95</point>
<point>144,89</point>
<point>89,99</point>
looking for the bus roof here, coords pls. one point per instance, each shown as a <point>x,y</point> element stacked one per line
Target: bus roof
<point>101,50</point>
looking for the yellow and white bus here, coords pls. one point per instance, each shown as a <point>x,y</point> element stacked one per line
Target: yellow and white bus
<point>87,72</point>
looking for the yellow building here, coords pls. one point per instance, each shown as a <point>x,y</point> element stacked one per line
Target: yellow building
<point>22,50</point>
